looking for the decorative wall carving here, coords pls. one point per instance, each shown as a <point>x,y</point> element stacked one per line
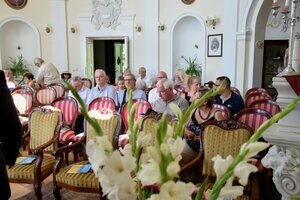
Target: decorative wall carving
<point>106,13</point>
<point>285,163</point>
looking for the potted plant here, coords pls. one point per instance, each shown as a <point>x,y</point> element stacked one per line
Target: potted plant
<point>18,65</point>
<point>194,69</point>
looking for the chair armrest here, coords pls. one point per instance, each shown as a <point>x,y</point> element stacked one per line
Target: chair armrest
<point>68,148</point>
<point>192,163</point>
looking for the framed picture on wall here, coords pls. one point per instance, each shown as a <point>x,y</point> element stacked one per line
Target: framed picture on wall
<point>16,4</point>
<point>215,45</point>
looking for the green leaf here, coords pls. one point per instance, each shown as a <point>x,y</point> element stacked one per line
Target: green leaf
<point>201,190</point>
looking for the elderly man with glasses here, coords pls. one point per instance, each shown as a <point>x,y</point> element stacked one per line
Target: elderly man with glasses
<point>153,95</point>
<point>165,89</point>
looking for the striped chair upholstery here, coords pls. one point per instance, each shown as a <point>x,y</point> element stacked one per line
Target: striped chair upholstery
<point>252,117</point>
<point>219,139</point>
<point>102,102</point>
<point>69,108</point>
<point>223,109</point>
<point>59,88</point>
<point>256,96</point>
<point>256,90</point>
<point>44,124</point>
<point>110,122</point>
<point>45,95</point>
<point>235,90</point>
<point>268,105</point>
<point>23,100</point>
<point>141,109</point>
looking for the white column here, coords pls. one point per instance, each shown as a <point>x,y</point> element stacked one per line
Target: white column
<point>59,34</point>
<point>151,36</point>
<point>283,156</point>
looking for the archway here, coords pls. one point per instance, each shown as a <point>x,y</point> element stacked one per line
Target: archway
<point>188,41</point>
<point>19,37</point>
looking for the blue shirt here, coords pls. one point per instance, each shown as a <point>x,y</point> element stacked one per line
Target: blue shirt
<point>136,94</point>
<point>106,91</point>
<point>234,103</point>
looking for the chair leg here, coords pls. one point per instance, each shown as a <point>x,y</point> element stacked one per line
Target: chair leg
<point>56,192</point>
<point>38,191</point>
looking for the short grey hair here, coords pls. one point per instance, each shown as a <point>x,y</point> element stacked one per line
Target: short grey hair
<point>101,71</point>
<point>166,83</point>
<point>75,79</point>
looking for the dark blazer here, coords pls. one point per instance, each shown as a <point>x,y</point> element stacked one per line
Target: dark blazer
<point>10,140</point>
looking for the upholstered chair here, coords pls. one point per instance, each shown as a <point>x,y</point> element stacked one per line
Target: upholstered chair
<point>110,122</point>
<point>44,124</point>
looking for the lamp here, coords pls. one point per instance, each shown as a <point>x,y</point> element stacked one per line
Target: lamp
<point>161,27</point>
<point>212,21</point>
<point>47,28</point>
<point>72,28</point>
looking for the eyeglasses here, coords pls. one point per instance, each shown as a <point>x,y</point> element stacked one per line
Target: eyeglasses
<point>128,79</point>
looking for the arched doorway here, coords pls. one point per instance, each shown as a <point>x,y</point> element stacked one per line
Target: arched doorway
<point>188,41</point>
<point>19,37</point>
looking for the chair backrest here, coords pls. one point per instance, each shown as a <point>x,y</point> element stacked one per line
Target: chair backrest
<point>252,117</point>
<point>141,109</point>
<point>109,121</point>
<point>222,138</point>
<point>254,97</point>
<point>268,105</point>
<point>102,102</point>
<point>59,88</point>
<point>87,83</point>
<point>235,90</point>
<point>23,99</point>
<point>69,108</point>
<point>43,124</point>
<point>224,110</point>
<point>256,90</point>
<point>45,95</point>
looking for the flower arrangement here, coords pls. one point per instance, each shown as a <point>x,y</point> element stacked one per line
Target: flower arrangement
<point>143,171</point>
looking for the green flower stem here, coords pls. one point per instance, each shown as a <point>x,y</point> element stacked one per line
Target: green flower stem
<point>92,121</point>
<point>243,153</point>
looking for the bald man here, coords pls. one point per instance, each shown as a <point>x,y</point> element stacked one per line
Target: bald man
<point>153,94</point>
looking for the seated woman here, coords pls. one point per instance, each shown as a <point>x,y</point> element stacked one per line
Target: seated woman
<point>11,83</point>
<point>193,85</point>
<point>192,133</point>
<point>29,81</point>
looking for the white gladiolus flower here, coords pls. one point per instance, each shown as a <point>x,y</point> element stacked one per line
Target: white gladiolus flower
<point>154,153</point>
<point>242,171</point>
<point>149,173</point>
<point>221,165</point>
<point>164,149</point>
<point>228,190</point>
<point>174,191</point>
<point>254,148</point>
<point>98,151</point>
<point>170,132</point>
<point>173,169</point>
<point>144,139</point>
<point>176,110</point>
<point>176,147</point>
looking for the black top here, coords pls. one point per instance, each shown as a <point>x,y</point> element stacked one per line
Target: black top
<point>235,103</point>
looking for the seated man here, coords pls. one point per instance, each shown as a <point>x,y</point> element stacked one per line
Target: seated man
<point>231,100</point>
<point>102,88</point>
<point>153,95</point>
<point>166,96</point>
<point>130,81</point>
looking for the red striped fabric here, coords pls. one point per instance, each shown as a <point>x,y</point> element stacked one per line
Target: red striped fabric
<point>102,102</point>
<point>253,120</point>
<point>142,108</point>
<point>59,88</point>
<point>69,109</point>
<point>45,96</point>
<point>223,109</point>
<point>66,135</point>
<point>252,98</point>
<point>269,106</point>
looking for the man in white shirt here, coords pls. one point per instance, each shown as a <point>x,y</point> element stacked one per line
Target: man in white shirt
<point>82,91</point>
<point>102,89</point>
<point>144,77</point>
<point>153,95</point>
<point>47,73</point>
